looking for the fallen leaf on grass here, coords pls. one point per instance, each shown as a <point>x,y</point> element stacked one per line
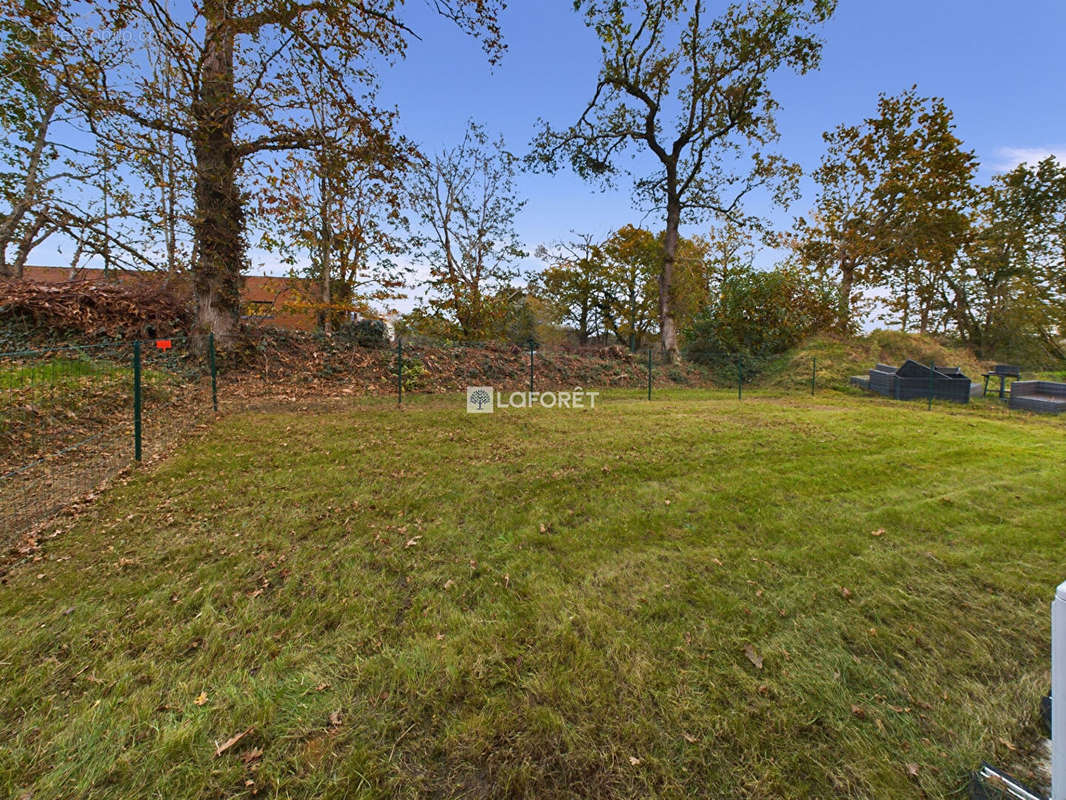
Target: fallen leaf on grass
<point>201,698</point>
<point>226,745</point>
<point>858,711</point>
<point>412,542</point>
<point>878,532</point>
<point>912,770</point>
<point>845,592</point>
<point>1007,744</point>
<point>335,719</point>
<point>753,656</point>
<point>252,755</point>
<point>633,760</point>
<point>688,737</point>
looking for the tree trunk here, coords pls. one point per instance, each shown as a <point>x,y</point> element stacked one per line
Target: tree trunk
<point>847,285</point>
<point>327,288</point>
<point>26,244</point>
<point>906,303</point>
<point>667,322</point>
<point>219,219</point>
<point>30,187</point>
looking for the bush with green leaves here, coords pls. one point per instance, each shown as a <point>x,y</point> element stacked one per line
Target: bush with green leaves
<point>756,315</point>
<point>414,371</point>
<point>364,332</point>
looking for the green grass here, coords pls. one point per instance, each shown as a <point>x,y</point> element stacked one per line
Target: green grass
<point>838,358</point>
<point>55,371</point>
<point>1052,375</point>
<point>547,604</point>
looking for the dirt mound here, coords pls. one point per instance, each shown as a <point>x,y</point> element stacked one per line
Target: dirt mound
<point>298,364</point>
<point>92,309</point>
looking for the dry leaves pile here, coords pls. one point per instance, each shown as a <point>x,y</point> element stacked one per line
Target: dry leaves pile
<point>134,309</point>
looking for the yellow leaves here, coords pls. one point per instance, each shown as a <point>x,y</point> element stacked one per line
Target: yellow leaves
<point>201,699</point>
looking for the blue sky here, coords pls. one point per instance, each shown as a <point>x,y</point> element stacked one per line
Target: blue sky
<point>997,64</point>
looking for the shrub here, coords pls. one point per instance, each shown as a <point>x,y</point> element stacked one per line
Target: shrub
<point>757,315</point>
<point>364,332</point>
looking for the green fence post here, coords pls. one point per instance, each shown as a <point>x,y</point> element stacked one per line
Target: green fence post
<point>814,372</point>
<point>137,400</point>
<point>740,379</point>
<point>399,371</point>
<point>649,373</point>
<point>931,368</point>
<point>214,370</point>
<point>531,346</point>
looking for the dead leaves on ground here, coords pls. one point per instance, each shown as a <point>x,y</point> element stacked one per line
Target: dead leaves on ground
<point>753,655</point>
<point>221,749</point>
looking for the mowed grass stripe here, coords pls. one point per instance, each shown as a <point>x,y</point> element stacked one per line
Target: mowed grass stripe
<point>391,566</point>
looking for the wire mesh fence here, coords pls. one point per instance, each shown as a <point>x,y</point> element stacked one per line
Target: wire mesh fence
<point>417,363</point>
<point>408,365</point>
<point>73,416</point>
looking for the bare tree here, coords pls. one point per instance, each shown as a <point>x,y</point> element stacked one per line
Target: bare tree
<point>465,202</point>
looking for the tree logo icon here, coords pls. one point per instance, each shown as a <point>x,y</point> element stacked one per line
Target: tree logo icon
<point>479,400</point>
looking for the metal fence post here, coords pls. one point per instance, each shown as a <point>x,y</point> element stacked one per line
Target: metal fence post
<point>399,371</point>
<point>649,373</point>
<point>814,372</point>
<point>214,371</point>
<point>740,378</point>
<point>932,367</point>
<point>531,345</point>
<point>137,400</point>
<point>1058,693</point>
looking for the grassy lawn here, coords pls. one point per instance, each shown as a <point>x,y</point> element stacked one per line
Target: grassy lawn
<point>822,597</point>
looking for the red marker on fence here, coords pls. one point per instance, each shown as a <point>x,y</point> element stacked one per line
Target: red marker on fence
<point>162,344</point>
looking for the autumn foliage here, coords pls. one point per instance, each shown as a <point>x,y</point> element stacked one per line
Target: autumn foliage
<point>90,308</point>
